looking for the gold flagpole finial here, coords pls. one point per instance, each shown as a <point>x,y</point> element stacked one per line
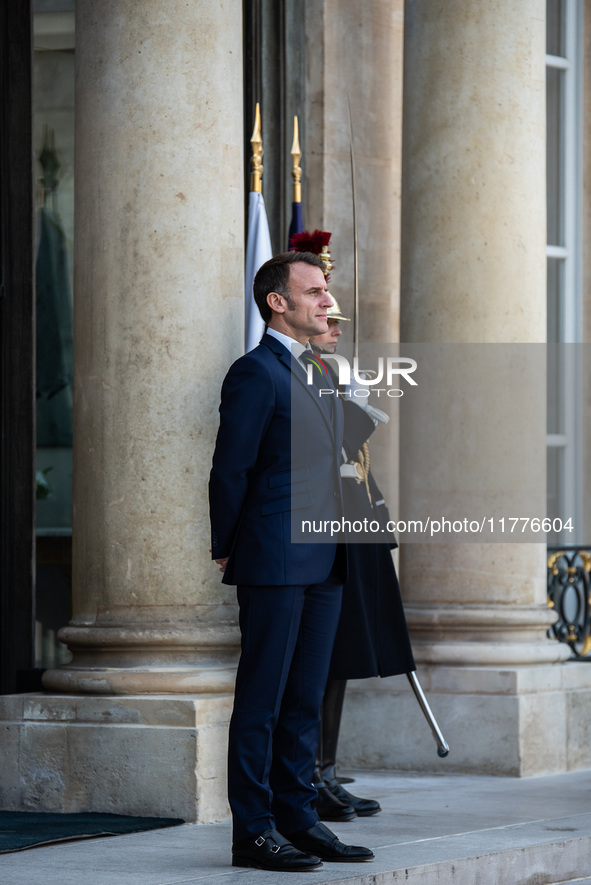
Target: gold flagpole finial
<point>296,172</point>
<point>256,161</point>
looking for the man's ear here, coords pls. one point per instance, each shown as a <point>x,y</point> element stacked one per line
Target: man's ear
<point>276,302</point>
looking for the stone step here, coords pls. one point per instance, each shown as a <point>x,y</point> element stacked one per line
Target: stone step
<point>574,882</point>
<point>432,830</point>
<point>544,852</point>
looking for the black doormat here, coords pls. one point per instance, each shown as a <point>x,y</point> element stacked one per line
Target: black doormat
<point>23,829</point>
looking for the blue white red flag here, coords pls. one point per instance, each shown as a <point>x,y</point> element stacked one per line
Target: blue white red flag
<point>297,222</point>
<point>258,250</point>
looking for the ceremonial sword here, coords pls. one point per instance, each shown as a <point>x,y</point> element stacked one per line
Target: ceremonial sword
<point>442,745</point>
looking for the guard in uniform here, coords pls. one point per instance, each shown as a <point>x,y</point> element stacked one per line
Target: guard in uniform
<point>372,637</point>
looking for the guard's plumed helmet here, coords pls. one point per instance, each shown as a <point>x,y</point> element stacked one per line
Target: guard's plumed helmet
<point>317,243</point>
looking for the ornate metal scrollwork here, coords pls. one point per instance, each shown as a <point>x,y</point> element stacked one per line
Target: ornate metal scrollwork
<point>569,591</point>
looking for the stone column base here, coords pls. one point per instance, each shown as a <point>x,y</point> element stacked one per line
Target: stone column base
<point>156,755</point>
<point>515,721</point>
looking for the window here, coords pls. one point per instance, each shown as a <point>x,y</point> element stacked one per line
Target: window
<point>53,149</point>
<point>563,177</point>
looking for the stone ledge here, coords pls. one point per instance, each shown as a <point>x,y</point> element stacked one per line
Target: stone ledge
<point>159,710</point>
<point>516,721</point>
<point>151,755</point>
<point>503,679</point>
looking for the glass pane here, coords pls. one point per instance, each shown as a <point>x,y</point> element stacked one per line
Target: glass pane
<point>555,277</point>
<point>555,27</point>
<point>554,483</point>
<point>53,148</point>
<point>554,389</point>
<point>554,167</point>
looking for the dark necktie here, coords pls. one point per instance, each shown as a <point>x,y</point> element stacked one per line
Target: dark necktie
<point>320,376</point>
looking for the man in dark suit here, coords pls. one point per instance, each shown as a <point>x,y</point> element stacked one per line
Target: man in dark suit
<point>372,637</point>
<point>289,594</point>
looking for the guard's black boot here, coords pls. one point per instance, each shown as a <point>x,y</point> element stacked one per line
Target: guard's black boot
<point>362,807</point>
<point>332,709</point>
<point>328,806</point>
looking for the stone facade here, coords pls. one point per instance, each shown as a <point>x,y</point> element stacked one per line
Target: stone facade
<point>136,723</point>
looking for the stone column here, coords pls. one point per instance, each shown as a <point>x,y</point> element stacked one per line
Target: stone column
<point>473,270</point>
<point>354,56</point>
<point>358,65</point>
<point>158,319</point>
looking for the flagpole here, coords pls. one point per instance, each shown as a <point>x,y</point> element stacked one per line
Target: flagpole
<point>297,218</point>
<point>256,160</point>
<point>296,172</point>
<point>258,243</point>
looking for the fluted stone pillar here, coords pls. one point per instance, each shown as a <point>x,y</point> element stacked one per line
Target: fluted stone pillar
<point>473,270</point>
<point>359,70</point>
<point>158,318</point>
<point>158,273</point>
<point>359,67</point>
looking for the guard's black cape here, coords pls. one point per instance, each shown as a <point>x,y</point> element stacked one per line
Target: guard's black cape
<point>372,637</point>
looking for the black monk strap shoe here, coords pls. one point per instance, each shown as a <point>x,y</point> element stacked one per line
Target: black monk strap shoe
<point>330,807</point>
<point>320,841</point>
<point>272,851</point>
<point>362,807</point>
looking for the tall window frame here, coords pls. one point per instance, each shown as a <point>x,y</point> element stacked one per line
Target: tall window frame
<point>564,75</point>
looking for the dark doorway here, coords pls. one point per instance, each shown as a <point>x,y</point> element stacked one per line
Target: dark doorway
<point>17,403</point>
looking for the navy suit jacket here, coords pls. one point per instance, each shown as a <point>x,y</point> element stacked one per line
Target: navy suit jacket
<point>260,467</point>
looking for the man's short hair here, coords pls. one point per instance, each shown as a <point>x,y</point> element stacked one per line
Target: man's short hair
<point>273,276</point>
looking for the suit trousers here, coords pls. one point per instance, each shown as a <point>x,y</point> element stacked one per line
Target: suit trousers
<point>287,639</point>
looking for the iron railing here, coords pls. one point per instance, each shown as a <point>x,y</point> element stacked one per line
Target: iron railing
<point>569,592</point>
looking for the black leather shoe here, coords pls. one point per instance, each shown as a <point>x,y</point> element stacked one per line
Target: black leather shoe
<point>330,807</point>
<point>362,807</point>
<point>320,841</point>
<point>272,851</point>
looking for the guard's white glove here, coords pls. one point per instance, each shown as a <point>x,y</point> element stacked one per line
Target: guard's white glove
<point>361,399</point>
<point>351,389</point>
<point>377,414</point>
<point>358,393</point>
